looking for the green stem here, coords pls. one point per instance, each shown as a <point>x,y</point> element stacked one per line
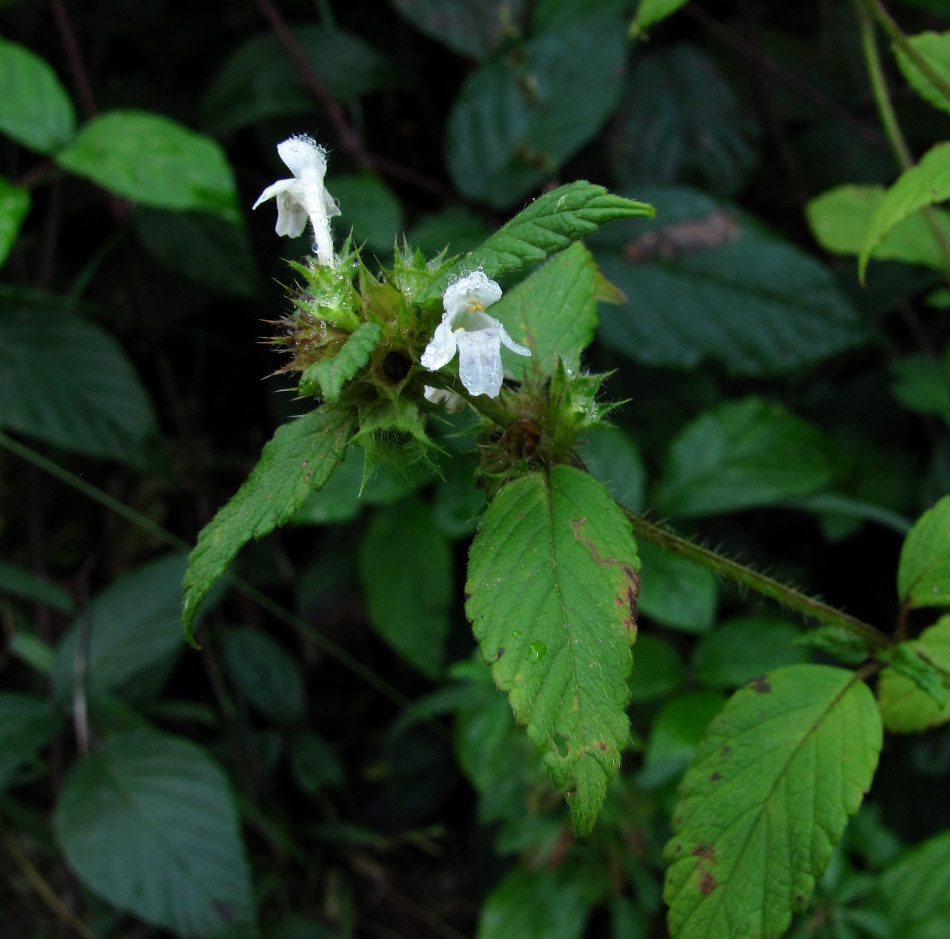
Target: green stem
<point>146,524</point>
<point>760,583</point>
<point>886,109</point>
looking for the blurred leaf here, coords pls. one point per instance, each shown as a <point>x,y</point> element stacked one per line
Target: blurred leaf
<point>155,161</point>
<point>935,50</point>
<point>457,228</point>
<point>923,384</point>
<point>657,672</point>
<point>680,122</point>
<point>743,454</point>
<point>548,225</point>
<point>17,581</point>
<point>654,11</point>
<point>710,283</point>
<point>923,574</point>
<point>27,724</point>
<point>266,674</point>
<point>329,375</point>
<point>66,381</point>
<point>35,109</point>
<point>149,824</point>
<point>128,637</point>
<point>676,733</point>
<point>562,628</point>
<point>739,649</point>
<point>371,208</point>
<point>458,502</point>
<point>406,570</point>
<point>204,248</point>
<point>260,80</point>
<point>14,204</point>
<point>916,890</point>
<point>676,592</point>
<point>840,218</point>
<point>473,28</point>
<point>521,115</point>
<point>299,458</point>
<point>921,185</point>
<point>611,456</point>
<point>314,763</point>
<point>908,687</point>
<point>768,796</point>
<point>552,311</point>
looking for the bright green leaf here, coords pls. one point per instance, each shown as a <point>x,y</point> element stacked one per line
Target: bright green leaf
<point>153,160</point>
<point>739,649</point>
<point>330,375</point>
<point>34,107</point>
<point>654,11</point>
<point>924,184</point>
<point>676,592</point>
<point>743,454</point>
<point>519,116</point>
<point>66,381</point>
<point>173,856</point>
<point>14,204</point>
<point>129,635</point>
<point>708,282</point>
<point>552,591</point>
<point>906,689</point>
<point>553,311</point>
<point>266,674</point>
<point>916,891</point>
<point>839,219</point>
<point>27,724</point>
<point>935,50</point>
<point>545,227</point>
<point>473,28</point>
<point>299,458</point>
<point>702,135</point>
<point>923,573</point>
<point>406,569</point>
<point>766,799</point>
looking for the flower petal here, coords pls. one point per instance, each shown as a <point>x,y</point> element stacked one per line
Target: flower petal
<point>480,361</point>
<point>511,344</point>
<point>274,189</point>
<point>291,214</point>
<point>303,157</point>
<point>441,348</point>
<point>476,291</point>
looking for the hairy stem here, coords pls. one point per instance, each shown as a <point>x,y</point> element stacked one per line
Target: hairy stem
<point>760,583</point>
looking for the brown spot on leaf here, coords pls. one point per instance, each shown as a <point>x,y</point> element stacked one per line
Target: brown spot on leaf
<point>726,750</point>
<point>715,777</point>
<point>499,653</point>
<point>603,746</point>
<point>706,851</point>
<point>760,683</point>
<point>707,883</point>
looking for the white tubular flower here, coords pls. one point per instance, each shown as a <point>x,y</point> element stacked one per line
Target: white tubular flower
<point>304,197</point>
<point>477,337</point>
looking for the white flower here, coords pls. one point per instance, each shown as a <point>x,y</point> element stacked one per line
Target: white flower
<point>304,196</point>
<point>478,337</point>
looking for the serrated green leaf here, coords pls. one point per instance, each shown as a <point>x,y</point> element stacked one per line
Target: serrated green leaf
<point>841,644</point>
<point>935,50</point>
<point>330,375</point>
<point>702,135</point>
<point>266,674</point>
<point>676,592</point>
<point>743,454</point>
<point>14,204</point>
<point>916,891</point>
<point>406,570</point>
<point>909,689</point>
<point>766,799</point>
<point>519,116</point>
<point>66,381</point>
<point>839,220</point>
<point>654,11</point>
<point>924,184</point>
<point>472,28</point>
<point>34,107</point>
<point>174,856</point>
<point>153,160</point>
<point>552,591</point>
<point>923,573</point>
<point>545,227</point>
<point>553,311</point>
<point>130,635</point>
<point>27,724</point>
<point>709,282</point>
<point>298,459</point>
